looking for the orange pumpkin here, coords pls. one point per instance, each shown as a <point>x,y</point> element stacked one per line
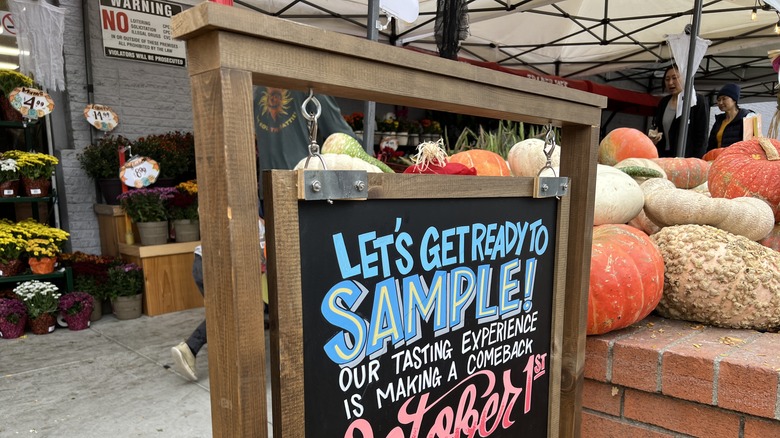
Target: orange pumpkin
<point>487,163</point>
<point>773,239</point>
<point>626,278</point>
<point>685,173</point>
<point>622,143</point>
<point>713,154</point>
<point>748,168</point>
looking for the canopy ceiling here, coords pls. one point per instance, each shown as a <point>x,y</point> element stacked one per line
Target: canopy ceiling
<point>612,40</point>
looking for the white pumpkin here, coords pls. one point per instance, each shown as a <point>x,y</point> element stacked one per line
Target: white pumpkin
<point>338,162</point>
<point>618,197</point>
<point>527,158</point>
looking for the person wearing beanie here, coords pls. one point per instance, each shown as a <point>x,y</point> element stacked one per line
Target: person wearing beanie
<point>728,127</point>
<point>666,124</point>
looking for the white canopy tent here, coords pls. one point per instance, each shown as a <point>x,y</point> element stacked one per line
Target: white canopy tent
<point>609,40</point>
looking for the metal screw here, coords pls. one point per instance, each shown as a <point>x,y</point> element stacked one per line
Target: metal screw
<point>316,186</point>
<point>360,186</point>
<point>545,187</point>
<point>565,186</point>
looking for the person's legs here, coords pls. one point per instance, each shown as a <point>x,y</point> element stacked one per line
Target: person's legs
<point>184,353</point>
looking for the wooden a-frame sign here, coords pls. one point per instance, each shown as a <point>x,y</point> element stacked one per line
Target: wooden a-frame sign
<point>229,51</point>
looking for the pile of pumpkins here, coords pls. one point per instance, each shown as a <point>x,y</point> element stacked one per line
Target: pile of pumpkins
<point>694,239</point>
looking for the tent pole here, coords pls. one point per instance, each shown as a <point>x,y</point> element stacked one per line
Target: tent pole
<point>689,73</point>
<point>372,33</point>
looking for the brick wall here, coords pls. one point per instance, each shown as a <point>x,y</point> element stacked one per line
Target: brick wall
<point>149,99</point>
<point>665,378</point>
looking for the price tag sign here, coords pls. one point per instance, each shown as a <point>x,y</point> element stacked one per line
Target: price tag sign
<point>139,172</point>
<point>101,117</point>
<point>31,102</point>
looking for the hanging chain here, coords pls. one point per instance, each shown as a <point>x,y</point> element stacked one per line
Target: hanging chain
<point>314,148</point>
<point>549,140</point>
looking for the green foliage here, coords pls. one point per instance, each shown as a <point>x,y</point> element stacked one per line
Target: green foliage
<point>125,280</point>
<point>10,79</point>
<point>174,152</point>
<point>147,205</point>
<point>500,140</point>
<point>101,160</point>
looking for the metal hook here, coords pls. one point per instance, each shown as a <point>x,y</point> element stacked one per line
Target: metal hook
<point>312,117</point>
<point>549,139</point>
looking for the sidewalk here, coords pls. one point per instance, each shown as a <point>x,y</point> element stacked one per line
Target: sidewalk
<point>114,379</point>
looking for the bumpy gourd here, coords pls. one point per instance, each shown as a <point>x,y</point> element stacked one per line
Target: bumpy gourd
<point>718,278</point>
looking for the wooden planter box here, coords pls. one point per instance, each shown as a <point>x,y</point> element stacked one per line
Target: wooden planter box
<point>168,283</point>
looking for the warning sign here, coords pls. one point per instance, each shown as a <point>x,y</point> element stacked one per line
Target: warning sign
<point>141,30</point>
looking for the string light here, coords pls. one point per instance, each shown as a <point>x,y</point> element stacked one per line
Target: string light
<point>753,14</point>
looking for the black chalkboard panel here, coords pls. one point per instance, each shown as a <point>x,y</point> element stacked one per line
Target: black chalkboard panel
<point>427,315</point>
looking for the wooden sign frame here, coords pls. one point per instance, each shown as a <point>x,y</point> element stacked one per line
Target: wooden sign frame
<point>230,50</point>
<point>286,275</point>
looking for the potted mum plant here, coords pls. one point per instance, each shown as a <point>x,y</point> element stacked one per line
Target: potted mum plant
<point>125,289</point>
<point>12,246</point>
<point>100,161</point>
<point>173,151</point>
<point>90,275</point>
<point>13,317</point>
<point>76,309</point>
<point>183,212</point>
<point>36,170</point>
<point>147,208</point>
<point>43,245</point>
<point>9,178</point>
<point>41,299</point>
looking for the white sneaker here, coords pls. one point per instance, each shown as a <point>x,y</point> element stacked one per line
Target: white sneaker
<point>184,361</point>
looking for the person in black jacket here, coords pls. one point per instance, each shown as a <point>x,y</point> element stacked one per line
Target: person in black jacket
<point>666,124</point>
<point>728,127</point>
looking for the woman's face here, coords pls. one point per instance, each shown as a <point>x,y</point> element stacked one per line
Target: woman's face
<point>726,103</point>
<point>672,81</point>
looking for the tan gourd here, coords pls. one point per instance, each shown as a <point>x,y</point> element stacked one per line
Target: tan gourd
<point>717,278</point>
<point>746,216</point>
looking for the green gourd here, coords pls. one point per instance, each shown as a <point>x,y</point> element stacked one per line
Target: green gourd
<point>340,143</point>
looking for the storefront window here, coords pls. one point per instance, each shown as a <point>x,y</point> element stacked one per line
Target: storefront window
<point>9,54</point>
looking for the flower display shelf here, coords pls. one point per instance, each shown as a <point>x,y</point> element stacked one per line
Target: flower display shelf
<point>65,274</point>
<point>31,200</point>
<point>168,283</point>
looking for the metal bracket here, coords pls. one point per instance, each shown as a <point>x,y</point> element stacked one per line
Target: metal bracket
<point>549,186</point>
<point>327,185</point>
